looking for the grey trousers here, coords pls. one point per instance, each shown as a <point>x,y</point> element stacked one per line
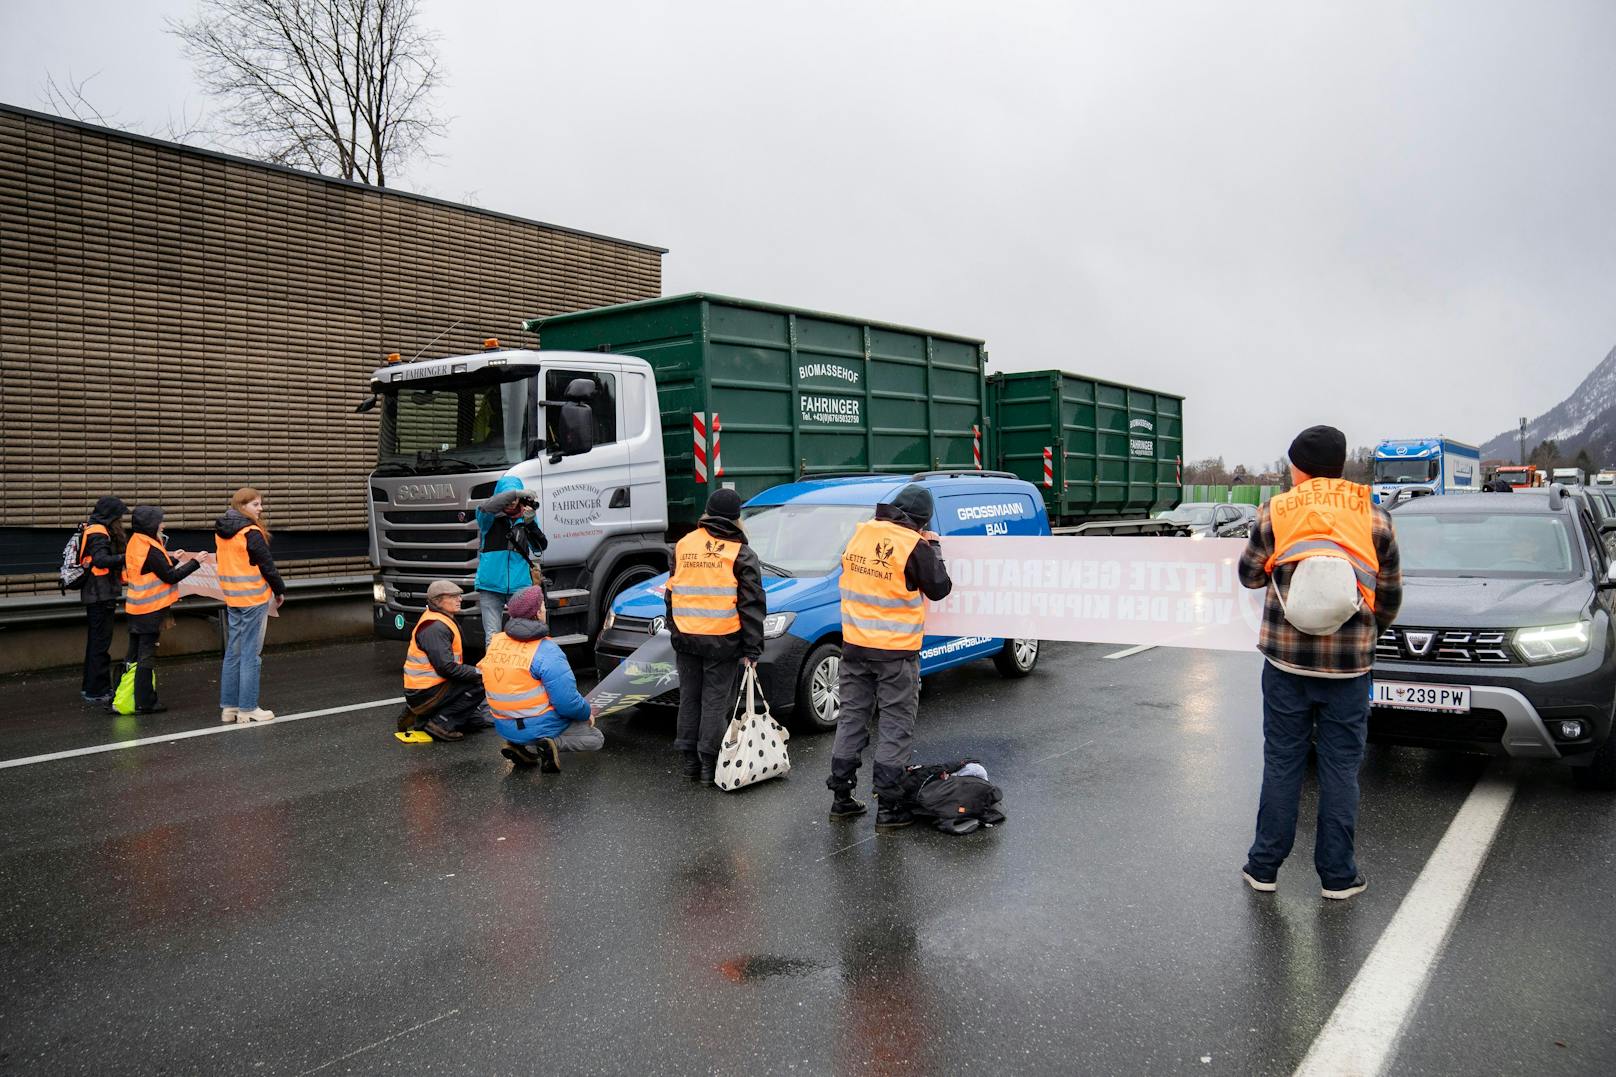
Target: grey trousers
<point>706,699</point>
<point>579,737</point>
<point>884,693</point>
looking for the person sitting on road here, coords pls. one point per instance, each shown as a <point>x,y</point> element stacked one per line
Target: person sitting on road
<point>1317,685</point>
<point>509,546</point>
<point>532,695</point>
<point>442,695</point>
<point>716,608</point>
<point>152,574</point>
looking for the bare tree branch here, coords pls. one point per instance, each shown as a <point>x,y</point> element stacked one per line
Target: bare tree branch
<point>342,87</point>
<point>69,98</point>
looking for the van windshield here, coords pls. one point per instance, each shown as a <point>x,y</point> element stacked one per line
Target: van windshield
<point>473,422</point>
<point>805,540</point>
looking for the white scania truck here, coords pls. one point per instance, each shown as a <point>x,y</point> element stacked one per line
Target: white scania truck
<point>582,431</point>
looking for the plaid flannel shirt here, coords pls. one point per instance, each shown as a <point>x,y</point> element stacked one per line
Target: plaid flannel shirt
<point>1350,651</point>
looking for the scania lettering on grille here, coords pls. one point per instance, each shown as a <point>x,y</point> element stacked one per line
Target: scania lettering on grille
<point>417,492</point>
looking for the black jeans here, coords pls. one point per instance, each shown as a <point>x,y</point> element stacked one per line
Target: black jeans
<point>98,647</point>
<point>143,651</point>
<point>706,697</point>
<point>462,704</point>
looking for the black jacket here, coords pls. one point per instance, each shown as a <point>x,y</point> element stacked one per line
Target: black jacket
<point>148,520</point>
<point>104,553</point>
<point>438,643</point>
<point>750,602</point>
<point>230,525</point>
<point>923,572</point>
<point>507,533</point>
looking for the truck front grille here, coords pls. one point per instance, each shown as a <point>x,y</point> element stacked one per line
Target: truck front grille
<point>1446,646</point>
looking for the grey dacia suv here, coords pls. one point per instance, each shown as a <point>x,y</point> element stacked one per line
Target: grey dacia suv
<point>1504,643</point>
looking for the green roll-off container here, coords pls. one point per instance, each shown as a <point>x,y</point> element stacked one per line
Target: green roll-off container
<point>797,393</point>
<point>1114,449</point>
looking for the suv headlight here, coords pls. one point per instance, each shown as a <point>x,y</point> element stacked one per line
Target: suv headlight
<point>775,624</point>
<point>611,619</point>
<point>1552,642</point>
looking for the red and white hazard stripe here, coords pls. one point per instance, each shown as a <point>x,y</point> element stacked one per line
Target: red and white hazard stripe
<point>976,446</point>
<point>718,457</point>
<point>698,424</point>
<point>1049,466</point>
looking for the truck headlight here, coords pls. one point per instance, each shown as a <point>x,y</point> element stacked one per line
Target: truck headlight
<point>1552,642</point>
<point>775,624</point>
<point>611,619</point>
<point>378,591</point>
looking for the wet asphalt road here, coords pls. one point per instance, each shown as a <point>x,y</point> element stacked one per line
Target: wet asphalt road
<point>316,898</point>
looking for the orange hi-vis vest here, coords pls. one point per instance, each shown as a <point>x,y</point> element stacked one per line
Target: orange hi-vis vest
<point>514,694</point>
<point>703,585</point>
<point>418,671</point>
<point>147,593</point>
<point>1327,517</point>
<point>84,547</point>
<point>239,578</point>
<point>878,608</point>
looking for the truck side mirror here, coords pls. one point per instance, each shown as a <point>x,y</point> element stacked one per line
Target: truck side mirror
<point>575,427</point>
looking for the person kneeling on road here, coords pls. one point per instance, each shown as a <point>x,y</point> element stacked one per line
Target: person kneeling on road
<point>534,699</point>
<point>442,695</point>
<point>716,608</point>
<point>889,569</point>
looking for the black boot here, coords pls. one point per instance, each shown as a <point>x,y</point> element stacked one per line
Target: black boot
<point>708,771</point>
<point>691,767</point>
<point>845,806</point>
<point>892,815</point>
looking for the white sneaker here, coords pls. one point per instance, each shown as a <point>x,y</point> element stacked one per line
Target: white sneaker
<point>228,714</point>
<point>259,715</point>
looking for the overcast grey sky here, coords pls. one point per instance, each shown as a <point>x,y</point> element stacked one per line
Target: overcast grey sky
<point>1396,217</point>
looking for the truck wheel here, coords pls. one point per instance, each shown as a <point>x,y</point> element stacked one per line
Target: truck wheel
<point>1600,773</point>
<point>1017,658</point>
<point>819,697</point>
<point>625,579</point>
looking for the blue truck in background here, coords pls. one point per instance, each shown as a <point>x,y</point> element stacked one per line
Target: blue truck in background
<point>1421,466</point>
<point>799,530</point>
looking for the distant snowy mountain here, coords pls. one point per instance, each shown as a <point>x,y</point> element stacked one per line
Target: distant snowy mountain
<point>1585,419</point>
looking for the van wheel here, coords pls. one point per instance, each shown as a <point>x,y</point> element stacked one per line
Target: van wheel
<point>1600,773</point>
<point>819,694</point>
<point>1016,658</point>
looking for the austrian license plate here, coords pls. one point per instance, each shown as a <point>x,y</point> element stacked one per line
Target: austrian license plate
<point>1422,697</point>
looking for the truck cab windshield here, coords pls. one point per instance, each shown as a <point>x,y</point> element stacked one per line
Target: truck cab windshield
<point>472,422</point>
<point>1397,471</point>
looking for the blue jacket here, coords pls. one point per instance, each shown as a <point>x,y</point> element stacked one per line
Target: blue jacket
<point>567,704</point>
<point>502,568</point>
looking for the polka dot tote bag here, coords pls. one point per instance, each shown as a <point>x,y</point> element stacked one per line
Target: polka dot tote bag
<point>754,747</point>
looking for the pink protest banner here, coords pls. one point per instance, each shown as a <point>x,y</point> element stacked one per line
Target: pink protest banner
<point>1162,592</point>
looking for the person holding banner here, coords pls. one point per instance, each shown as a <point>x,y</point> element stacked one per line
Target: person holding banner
<point>531,691</point>
<point>250,584</point>
<point>1329,561</point>
<point>716,608</point>
<point>151,574</point>
<point>892,564</point>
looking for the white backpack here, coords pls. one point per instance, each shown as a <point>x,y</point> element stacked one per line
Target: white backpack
<point>1324,595</point>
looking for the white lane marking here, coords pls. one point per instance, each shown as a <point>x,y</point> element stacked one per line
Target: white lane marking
<point>1057,755</point>
<point>207,731</point>
<point>1361,1036</point>
<point>384,1039</point>
<point>1132,651</point>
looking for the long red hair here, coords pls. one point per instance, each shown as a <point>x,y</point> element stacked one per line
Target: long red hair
<point>240,500</point>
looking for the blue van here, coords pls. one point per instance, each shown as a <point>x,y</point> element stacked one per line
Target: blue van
<point>799,531</point>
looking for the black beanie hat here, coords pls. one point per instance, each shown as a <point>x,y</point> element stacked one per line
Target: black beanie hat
<point>1320,451</point>
<point>725,503</point>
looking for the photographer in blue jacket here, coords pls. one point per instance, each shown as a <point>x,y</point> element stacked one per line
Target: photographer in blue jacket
<point>508,551</point>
